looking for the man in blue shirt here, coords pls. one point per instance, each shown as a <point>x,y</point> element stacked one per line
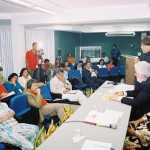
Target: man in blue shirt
<point>115,54</point>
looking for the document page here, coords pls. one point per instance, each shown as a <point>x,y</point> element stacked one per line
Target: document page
<point>101,119</point>
<point>96,145</point>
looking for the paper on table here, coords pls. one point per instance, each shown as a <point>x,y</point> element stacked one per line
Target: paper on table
<point>72,92</point>
<point>101,119</point>
<point>118,114</point>
<point>96,145</point>
<point>107,96</point>
<point>123,87</point>
<point>77,139</point>
<point>9,94</point>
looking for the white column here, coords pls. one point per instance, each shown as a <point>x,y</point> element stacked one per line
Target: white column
<point>18,46</point>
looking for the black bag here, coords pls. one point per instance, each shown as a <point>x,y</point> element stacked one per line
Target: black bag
<point>75,81</point>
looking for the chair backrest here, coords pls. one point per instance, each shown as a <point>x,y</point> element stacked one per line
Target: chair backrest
<point>74,73</point>
<point>2,146</point>
<point>102,72</point>
<point>122,70</point>
<point>19,104</point>
<point>54,73</point>
<point>48,86</point>
<point>114,71</point>
<point>45,91</point>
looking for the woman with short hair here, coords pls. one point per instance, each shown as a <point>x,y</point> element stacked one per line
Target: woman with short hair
<point>18,134</point>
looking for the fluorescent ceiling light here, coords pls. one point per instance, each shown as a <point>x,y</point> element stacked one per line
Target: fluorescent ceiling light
<point>116,34</point>
<point>20,3</point>
<point>43,10</point>
<point>31,6</point>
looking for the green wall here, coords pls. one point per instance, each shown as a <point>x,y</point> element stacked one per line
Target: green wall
<point>67,42</point>
<point>123,43</point>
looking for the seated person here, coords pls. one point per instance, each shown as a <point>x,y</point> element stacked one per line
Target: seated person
<point>48,68</point>
<point>88,60</point>
<point>110,65</point>
<point>3,91</point>
<point>62,67</point>
<point>140,102</point>
<point>138,135</point>
<point>58,87</point>
<point>105,58</point>
<point>25,77</point>
<point>56,64</point>
<point>89,76</point>
<point>36,100</point>
<point>71,59</point>
<point>79,66</point>
<point>13,84</point>
<point>67,68</point>
<point>101,64</point>
<point>67,84</point>
<point>18,134</point>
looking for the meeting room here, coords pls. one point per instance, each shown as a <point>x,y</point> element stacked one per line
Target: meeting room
<point>74,75</point>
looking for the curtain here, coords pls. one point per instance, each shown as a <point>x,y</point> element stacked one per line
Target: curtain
<point>43,37</point>
<point>6,60</point>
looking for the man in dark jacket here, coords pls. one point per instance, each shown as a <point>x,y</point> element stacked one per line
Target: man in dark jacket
<point>89,76</point>
<point>141,98</point>
<point>145,46</point>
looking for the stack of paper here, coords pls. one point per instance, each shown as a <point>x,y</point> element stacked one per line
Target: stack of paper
<point>72,92</point>
<point>95,145</point>
<point>9,94</point>
<point>118,114</point>
<point>124,87</point>
<point>108,118</point>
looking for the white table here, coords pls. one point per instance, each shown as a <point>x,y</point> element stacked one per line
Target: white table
<point>62,138</point>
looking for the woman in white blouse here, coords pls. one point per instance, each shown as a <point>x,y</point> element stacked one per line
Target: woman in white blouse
<point>101,64</point>
<point>24,77</point>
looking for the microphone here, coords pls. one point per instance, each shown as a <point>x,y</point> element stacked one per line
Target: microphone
<point>139,55</point>
<point>132,45</point>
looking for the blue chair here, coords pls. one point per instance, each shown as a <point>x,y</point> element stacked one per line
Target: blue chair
<point>122,70</point>
<point>54,73</point>
<point>48,86</point>
<point>102,72</point>
<point>45,91</point>
<point>114,71</point>
<point>77,74</point>
<point>72,67</point>
<point>2,146</point>
<point>19,104</point>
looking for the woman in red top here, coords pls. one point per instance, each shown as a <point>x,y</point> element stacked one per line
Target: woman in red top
<point>3,91</point>
<point>110,65</point>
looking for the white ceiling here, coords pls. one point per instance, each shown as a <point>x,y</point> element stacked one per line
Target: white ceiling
<point>82,15</point>
<point>74,4</point>
<point>6,7</point>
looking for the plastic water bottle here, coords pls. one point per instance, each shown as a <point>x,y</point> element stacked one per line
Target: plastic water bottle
<point>77,132</point>
<point>122,81</point>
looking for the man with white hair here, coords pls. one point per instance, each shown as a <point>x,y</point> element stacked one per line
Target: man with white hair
<point>141,98</point>
<point>57,86</point>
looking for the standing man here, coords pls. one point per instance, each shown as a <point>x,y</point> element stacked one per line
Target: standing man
<point>115,54</point>
<point>32,59</point>
<point>145,46</point>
